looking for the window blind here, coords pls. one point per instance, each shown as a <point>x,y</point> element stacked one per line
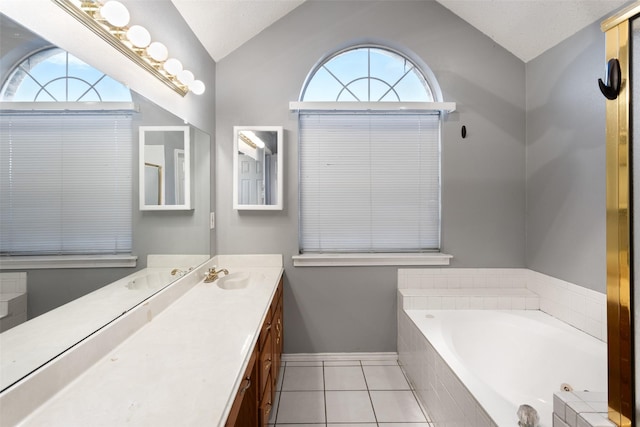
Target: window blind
<point>369,182</point>
<point>65,184</point>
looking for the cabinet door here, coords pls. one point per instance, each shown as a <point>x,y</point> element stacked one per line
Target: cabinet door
<point>244,411</point>
<point>266,364</point>
<point>266,329</point>
<point>266,405</point>
<point>278,339</point>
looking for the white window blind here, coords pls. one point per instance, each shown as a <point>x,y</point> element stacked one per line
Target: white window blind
<point>369,182</point>
<point>65,184</point>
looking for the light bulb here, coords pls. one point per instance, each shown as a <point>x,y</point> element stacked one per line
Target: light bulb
<point>197,87</point>
<point>172,66</point>
<point>157,51</point>
<point>115,13</point>
<point>186,77</point>
<point>139,36</point>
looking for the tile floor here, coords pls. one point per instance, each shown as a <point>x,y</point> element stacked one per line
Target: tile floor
<point>334,393</point>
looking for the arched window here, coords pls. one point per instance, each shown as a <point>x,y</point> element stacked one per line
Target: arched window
<point>368,74</point>
<point>370,175</point>
<point>54,75</point>
<point>65,159</point>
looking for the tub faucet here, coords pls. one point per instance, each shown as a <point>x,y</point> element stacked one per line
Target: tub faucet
<point>528,416</point>
<point>212,274</point>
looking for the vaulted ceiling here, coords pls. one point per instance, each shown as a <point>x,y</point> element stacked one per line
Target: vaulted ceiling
<point>526,28</point>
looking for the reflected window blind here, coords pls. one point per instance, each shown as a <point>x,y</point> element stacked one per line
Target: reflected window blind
<point>369,182</point>
<point>65,184</point>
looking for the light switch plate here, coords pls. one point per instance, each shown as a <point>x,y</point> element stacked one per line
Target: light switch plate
<point>212,221</point>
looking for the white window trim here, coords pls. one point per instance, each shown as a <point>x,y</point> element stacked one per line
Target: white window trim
<point>370,259</point>
<point>445,107</point>
<point>66,261</point>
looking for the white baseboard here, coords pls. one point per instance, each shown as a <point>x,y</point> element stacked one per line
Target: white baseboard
<point>314,357</point>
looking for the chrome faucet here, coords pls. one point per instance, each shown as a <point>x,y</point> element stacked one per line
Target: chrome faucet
<point>212,274</point>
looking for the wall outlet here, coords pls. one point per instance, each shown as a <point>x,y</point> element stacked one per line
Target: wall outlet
<point>212,221</point>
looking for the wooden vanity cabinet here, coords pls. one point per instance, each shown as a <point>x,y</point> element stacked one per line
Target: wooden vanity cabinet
<point>244,412</point>
<point>262,371</point>
<point>278,333</point>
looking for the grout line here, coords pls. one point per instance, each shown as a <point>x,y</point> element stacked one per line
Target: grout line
<point>283,368</point>
<point>428,421</point>
<point>324,393</point>
<point>373,408</point>
<point>415,394</point>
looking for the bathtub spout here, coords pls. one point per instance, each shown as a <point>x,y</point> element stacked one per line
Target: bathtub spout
<point>528,416</point>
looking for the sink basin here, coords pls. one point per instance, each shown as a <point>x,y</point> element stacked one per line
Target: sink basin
<point>238,280</point>
<point>150,281</point>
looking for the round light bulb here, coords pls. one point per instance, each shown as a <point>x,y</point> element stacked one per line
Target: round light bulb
<point>115,13</point>
<point>139,36</point>
<point>186,77</point>
<point>172,66</point>
<point>197,87</point>
<point>157,51</point>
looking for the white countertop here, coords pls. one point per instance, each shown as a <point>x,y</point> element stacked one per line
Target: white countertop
<point>182,368</point>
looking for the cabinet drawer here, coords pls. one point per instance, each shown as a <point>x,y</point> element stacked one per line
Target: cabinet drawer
<point>266,364</point>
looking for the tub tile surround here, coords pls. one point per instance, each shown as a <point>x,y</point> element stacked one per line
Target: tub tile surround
<point>13,300</point>
<point>135,349</point>
<point>580,409</point>
<point>438,388</point>
<point>503,289</point>
<point>434,381</point>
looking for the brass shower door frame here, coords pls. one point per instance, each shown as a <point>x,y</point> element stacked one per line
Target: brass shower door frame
<point>620,340</point>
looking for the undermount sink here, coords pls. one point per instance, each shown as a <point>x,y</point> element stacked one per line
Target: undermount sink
<point>238,280</point>
<point>150,281</point>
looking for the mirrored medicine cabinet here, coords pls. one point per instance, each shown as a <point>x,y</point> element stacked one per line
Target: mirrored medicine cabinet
<point>165,168</point>
<point>257,167</point>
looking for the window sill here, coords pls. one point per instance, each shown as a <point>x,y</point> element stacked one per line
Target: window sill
<point>66,261</point>
<point>391,259</point>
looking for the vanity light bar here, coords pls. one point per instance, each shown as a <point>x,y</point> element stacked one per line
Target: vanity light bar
<point>110,20</point>
<point>247,140</point>
<point>251,139</point>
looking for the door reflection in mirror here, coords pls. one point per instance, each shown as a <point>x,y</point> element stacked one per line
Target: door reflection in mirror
<point>257,167</point>
<point>165,170</point>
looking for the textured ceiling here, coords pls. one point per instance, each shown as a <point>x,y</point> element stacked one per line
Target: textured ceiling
<point>526,28</point>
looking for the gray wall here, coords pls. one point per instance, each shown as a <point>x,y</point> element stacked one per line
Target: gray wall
<point>566,215</point>
<point>350,309</point>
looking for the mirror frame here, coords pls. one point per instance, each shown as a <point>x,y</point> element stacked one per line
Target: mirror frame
<point>280,169</point>
<point>187,168</point>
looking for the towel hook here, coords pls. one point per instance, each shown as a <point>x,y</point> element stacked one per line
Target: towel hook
<point>612,88</point>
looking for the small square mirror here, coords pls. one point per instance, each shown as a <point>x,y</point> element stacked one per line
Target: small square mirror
<point>257,167</point>
<point>165,168</point>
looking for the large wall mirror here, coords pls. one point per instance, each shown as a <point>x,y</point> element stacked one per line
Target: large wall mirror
<point>165,168</point>
<point>65,305</point>
<point>257,167</point>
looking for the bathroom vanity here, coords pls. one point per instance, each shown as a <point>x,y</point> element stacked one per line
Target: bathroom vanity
<point>194,354</point>
<point>254,399</point>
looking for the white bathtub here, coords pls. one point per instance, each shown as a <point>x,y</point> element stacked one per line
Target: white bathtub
<point>502,358</point>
